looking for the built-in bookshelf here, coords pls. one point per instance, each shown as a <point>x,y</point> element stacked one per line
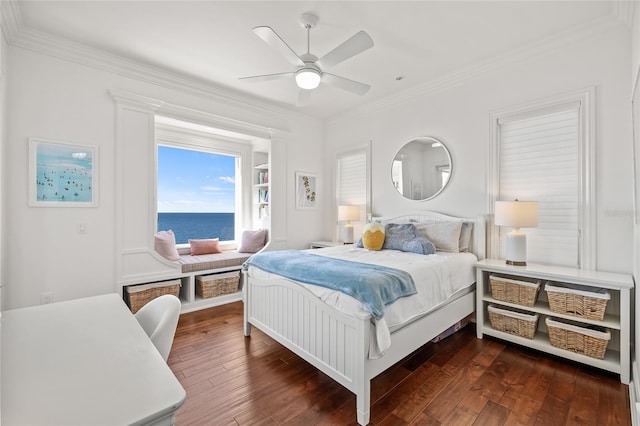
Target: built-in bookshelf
<point>261,189</point>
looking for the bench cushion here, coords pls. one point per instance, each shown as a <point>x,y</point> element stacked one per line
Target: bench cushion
<point>205,262</point>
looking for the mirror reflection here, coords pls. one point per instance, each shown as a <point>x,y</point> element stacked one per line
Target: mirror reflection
<point>421,169</point>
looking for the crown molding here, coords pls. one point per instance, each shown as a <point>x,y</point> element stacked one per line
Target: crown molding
<point>18,35</point>
<point>523,54</point>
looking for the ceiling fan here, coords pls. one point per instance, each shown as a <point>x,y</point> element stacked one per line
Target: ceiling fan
<point>309,69</point>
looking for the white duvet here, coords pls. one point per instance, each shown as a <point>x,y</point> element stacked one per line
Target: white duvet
<point>438,278</point>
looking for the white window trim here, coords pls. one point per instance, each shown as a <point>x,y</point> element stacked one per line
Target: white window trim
<point>184,138</point>
<point>366,148</point>
<point>587,198</point>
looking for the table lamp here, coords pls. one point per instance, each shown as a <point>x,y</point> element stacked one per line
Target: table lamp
<point>516,214</point>
<point>348,213</point>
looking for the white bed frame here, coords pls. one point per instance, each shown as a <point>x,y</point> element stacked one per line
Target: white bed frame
<point>338,344</point>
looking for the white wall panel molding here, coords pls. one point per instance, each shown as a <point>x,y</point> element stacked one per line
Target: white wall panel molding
<point>134,100</point>
<point>282,184</point>
<point>135,138</point>
<point>241,128</point>
<point>136,134</point>
<point>238,126</point>
<point>526,53</point>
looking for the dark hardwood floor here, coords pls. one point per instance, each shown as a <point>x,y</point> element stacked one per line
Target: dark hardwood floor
<point>233,380</point>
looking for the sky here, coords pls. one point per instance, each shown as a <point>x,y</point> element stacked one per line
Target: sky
<point>195,181</point>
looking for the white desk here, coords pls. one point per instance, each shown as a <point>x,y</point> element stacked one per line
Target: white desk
<point>83,362</point>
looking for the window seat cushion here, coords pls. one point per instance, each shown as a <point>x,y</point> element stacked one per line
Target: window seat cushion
<point>205,262</point>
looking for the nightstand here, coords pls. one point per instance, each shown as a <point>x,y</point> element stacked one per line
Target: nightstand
<point>321,244</point>
<point>617,316</point>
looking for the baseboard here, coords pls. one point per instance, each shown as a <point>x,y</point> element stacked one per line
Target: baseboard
<point>634,395</point>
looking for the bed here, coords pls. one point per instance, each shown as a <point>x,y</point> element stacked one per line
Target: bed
<point>341,340</point>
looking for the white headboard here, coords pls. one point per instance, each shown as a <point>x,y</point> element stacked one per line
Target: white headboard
<point>478,235</point>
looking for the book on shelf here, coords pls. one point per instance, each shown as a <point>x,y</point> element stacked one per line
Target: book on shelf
<point>263,177</point>
<point>263,196</point>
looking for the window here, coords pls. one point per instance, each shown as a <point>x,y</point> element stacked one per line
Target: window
<point>542,153</point>
<point>196,193</point>
<point>352,181</point>
<point>199,182</point>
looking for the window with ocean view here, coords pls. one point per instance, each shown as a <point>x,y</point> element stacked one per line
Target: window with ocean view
<point>196,193</point>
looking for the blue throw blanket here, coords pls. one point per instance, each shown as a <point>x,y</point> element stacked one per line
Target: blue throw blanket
<point>373,285</point>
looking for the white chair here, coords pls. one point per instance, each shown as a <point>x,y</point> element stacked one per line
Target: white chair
<point>159,319</point>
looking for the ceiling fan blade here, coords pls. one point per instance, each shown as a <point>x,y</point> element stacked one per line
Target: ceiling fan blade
<point>353,46</point>
<point>345,84</point>
<point>274,40</point>
<point>268,77</point>
<point>304,96</point>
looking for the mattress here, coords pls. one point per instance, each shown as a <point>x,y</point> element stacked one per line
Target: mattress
<point>439,279</point>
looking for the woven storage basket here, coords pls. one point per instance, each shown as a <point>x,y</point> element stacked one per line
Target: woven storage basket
<point>524,325</point>
<point>586,341</point>
<point>577,301</point>
<point>523,293</point>
<point>217,284</point>
<point>139,295</point>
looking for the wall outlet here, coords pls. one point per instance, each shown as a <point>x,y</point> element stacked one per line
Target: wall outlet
<point>46,298</point>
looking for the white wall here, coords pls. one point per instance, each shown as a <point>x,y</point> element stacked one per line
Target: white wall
<point>3,144</point>
<point>634,388</point>
<point>62,100</point>
<point>459,116</point>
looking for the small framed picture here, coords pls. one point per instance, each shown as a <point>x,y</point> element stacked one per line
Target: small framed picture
<point>306,191</point>
<point>62,174</point>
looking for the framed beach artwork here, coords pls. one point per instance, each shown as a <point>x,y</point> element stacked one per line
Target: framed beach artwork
<point>62,174</point>
<point>306,191</point>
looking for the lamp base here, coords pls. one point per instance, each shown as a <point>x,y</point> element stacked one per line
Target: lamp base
<point>348,234</point>
<point>516,248</point>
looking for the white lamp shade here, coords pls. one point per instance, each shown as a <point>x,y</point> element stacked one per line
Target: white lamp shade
<point>307,78</point>
<point>348,213</point>
<point>517,214</point>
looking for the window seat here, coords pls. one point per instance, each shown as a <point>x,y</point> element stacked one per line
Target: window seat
<point>204,262</point>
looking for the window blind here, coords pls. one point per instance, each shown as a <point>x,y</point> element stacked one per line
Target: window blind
<point>352,179</point>
<point>539,160</point>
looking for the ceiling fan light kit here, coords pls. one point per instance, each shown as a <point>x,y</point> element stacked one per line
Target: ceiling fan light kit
<point>308,78</point>
<point>308,73</point>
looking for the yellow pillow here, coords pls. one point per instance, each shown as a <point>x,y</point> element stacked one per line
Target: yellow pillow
<point>373,236</point>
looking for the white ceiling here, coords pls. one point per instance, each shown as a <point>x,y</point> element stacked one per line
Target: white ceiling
<point>212,41</point>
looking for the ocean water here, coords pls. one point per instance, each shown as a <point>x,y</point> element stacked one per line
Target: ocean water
<point>197,226</point>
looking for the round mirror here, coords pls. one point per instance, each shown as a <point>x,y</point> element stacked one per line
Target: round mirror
<point>421,169</point>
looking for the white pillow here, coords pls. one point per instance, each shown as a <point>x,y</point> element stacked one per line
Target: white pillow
<point>465,236</point>
<point>444,235</point>
<point>165,244</point>
<point>252,241</point>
